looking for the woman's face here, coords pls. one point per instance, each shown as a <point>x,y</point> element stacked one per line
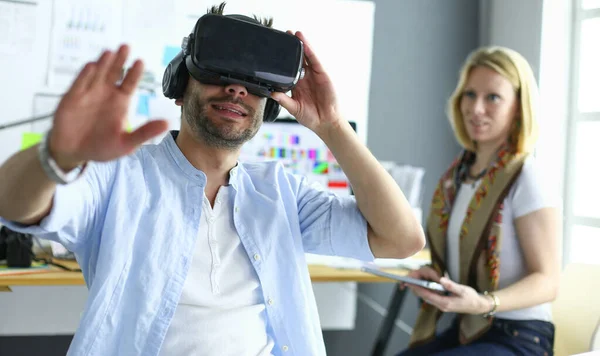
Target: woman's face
<point>489,106</point>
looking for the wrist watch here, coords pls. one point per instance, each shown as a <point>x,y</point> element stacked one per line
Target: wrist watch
<point>51,168</point>
<point>496,302</point>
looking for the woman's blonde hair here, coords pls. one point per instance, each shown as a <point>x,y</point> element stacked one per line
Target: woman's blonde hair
<point>511,65</point>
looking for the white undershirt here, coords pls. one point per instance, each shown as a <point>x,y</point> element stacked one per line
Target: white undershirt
<point>221,311</point>
<point>528,194</point>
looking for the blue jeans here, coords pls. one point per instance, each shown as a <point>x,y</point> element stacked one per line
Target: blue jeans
<point>505,337</point>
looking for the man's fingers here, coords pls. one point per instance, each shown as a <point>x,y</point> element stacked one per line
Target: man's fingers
<point>310,56</point>
<point>84,78</point>
<point>114,72</point>
<point>133,76</point>
<point>288,103</point>
<point>103,65</point>
<point>146,132</point>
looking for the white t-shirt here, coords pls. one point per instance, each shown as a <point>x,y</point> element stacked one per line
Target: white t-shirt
<point>528,194</point>
<point>221,311</point>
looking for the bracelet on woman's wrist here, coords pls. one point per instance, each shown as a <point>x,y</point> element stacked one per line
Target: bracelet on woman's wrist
<point>495,304</point>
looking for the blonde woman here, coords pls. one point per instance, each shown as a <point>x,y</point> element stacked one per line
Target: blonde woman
<point>494,226</point>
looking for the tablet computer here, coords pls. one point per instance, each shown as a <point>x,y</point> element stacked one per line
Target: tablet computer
<point>418,282</point>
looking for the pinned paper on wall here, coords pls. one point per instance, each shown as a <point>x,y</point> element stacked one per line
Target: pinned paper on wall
<point>81,31</point>
<point>150,26</point>
<point>17,27</point>
<point>30,139</point>
<point>143,105</point>
<point>169,53</point>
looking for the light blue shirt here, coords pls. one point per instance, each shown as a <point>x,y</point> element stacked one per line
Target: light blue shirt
<point>133,223</point>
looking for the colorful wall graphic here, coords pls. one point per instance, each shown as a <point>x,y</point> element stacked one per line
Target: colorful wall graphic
<point>300,150</point>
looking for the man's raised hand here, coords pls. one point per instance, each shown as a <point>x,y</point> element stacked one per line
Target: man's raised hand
<point>90,121</point>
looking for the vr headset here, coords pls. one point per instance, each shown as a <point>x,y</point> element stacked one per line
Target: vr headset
<point>236,49</point>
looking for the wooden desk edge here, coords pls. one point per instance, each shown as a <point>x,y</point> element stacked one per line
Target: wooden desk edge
<point>53,277</point>
<point>318,274</point>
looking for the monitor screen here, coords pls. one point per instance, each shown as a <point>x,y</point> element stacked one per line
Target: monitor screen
<point>301,152</point>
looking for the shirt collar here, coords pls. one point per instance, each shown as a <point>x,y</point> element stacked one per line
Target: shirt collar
<point>185,165</point>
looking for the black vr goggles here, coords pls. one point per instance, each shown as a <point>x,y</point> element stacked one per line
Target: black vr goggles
<point>236,49</point>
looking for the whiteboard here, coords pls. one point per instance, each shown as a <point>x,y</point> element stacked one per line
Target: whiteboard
<point>56,37</point>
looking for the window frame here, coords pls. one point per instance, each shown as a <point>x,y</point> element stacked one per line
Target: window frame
<point>575,118</point>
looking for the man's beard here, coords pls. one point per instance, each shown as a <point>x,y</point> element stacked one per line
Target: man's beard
<point>222,134</point>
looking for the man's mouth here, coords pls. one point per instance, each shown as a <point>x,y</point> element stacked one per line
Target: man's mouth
<point>231,109</point>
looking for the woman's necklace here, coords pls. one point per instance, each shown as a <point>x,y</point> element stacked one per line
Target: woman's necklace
<point>476,177</point>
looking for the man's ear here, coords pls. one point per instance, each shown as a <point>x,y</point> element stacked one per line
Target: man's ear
<point>179,102</point>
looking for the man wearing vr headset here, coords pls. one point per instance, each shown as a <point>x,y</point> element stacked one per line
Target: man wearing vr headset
<point>184,249</point>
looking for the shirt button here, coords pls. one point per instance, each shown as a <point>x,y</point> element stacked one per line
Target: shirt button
<point>237,209</point>
<point>270,301</point>
<point>285,348</point>
<point>256,257</point>
<point>212,219</point>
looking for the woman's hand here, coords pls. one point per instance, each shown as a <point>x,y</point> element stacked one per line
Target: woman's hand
<point>462,299</point>
<point>424,273</point>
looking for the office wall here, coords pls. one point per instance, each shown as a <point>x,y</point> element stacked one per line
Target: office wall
<point>418,49</point>
<point>515,24</point>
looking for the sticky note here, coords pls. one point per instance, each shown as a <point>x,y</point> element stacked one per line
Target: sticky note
<point>169,53</point>
<point>30,139</point>
<point>320,168</point>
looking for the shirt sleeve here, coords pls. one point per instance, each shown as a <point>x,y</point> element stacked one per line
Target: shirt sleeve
<point>74,211</point>
<point>330,224</point>
<point>531,192</point>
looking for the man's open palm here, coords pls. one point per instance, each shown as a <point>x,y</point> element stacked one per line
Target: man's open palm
<point>90,121</point>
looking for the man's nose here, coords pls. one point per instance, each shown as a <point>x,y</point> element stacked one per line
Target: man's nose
<point>236,90</point>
